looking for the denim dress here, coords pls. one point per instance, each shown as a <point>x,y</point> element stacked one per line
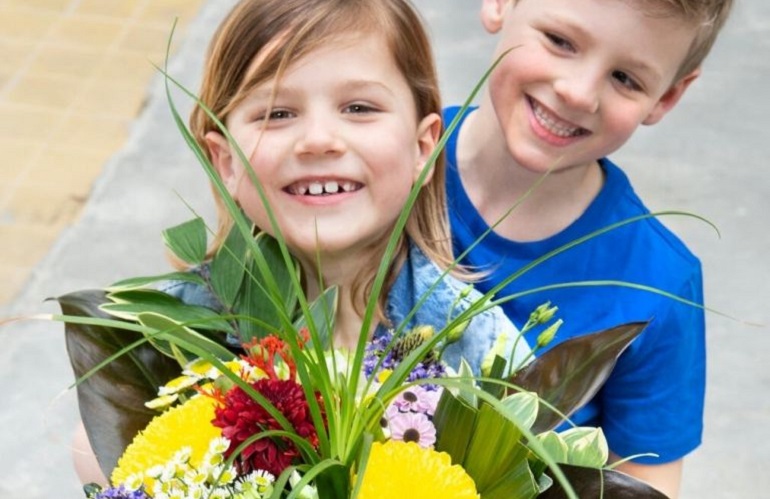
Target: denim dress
<point>445,297</point>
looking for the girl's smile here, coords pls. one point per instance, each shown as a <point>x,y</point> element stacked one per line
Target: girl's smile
<point>336,146</point>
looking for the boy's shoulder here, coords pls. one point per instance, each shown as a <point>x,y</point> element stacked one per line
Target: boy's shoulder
<point>642,229</point>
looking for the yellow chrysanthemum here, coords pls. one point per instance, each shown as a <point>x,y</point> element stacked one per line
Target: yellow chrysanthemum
<point>404,469</point>
<point>188,424</point>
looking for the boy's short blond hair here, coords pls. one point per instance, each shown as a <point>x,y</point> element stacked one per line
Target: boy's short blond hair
<point>709,16</point>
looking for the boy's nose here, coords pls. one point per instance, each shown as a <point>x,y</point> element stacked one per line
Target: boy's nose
<point>579,92</point>
<point>319,137</point>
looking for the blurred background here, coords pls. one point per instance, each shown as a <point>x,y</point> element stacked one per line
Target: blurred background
<point>93,169</point>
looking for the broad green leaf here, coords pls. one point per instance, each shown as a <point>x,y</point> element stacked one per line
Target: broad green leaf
<point>495,449</point>
<point>586,447</point>
<point>555,446</point>
<point>228,267</point>
<point>518,482</point>
<point>466,373</point>
<point>522,407</point>
<point>594,483</point>
<point>187,241</point>
<point>170,331</point>
<point>111,401</point>
<point>128,304</point>
<point>496,372</point>
<point>323,310</point>
<point>268,305</point>
<point>191,315</point>
<point>568,375</point>
<point>139,282</point>
<point>454,420</point>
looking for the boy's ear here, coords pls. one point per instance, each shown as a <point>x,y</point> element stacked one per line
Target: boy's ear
<point>222,159</point>
<point>670,98</point>
<point>428,134</point>
<point>492,14</point>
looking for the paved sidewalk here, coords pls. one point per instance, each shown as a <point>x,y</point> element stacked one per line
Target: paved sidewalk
<point>707,157</point>
<point>73,77</point>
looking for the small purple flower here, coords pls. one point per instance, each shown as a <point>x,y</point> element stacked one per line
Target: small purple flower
<point>418,399</point>
<point>121,493</point>
<point>412,427</point>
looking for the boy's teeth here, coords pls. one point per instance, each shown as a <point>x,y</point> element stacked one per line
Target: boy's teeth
<point>331,187</point>
<point>316,188</point>
<point>552,125</point>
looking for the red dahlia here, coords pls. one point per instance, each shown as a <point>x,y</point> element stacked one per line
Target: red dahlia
<point>241,417</point>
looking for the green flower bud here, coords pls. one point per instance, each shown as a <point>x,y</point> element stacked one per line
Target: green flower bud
<point>456,332</point>
<point>548,334</point>
<point>543,313</point>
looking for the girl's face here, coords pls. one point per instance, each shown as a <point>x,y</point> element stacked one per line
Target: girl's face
<point>336,155</point>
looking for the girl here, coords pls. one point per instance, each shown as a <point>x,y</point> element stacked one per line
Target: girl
<point>335,104</point>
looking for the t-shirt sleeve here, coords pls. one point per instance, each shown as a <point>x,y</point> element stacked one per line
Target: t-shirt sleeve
<point>653,401</point>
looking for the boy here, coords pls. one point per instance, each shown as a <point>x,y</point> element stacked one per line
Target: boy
<point>582,75</point>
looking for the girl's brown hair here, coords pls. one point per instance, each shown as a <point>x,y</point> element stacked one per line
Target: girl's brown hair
<point>260,38</point>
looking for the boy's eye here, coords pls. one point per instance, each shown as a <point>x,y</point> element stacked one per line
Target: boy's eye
<point>559,42</point>
<point>625,80</point>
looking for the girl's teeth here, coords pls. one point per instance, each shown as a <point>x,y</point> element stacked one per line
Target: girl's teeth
<point>331,187</point>
<point>320,188</point>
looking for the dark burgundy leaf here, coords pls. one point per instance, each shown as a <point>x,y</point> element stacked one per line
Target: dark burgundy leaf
<point>569,375</point>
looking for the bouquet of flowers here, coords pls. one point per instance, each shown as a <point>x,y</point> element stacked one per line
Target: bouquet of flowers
<point>283,413</point>
<point>223,381</point>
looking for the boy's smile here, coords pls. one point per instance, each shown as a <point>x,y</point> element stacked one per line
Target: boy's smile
<point>550,127</point>
<point>336,145</point>
<point>582,75</point>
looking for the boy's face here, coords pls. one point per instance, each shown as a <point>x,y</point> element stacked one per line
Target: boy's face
<point>582,75</point>
<point>337,154</point>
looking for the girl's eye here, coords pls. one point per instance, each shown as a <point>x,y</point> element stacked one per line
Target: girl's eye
<point>559,42</point>
<point>359,109</point>
<point>280,114</point>
<point>626,81</point>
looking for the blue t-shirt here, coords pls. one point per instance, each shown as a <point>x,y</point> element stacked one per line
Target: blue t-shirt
<point>653,400</point>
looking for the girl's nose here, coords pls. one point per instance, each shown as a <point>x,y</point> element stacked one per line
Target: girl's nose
<point>579,91</point>
<point>319,137</point>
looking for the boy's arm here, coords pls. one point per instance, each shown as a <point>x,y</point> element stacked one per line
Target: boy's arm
<point>667,477</point>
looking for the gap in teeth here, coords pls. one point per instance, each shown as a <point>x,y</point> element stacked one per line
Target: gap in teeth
<point>318,188</point>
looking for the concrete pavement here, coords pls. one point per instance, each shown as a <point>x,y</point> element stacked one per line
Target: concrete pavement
<point>707,157</point>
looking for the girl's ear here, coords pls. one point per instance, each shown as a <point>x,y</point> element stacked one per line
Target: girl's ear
<point>222,160</point>
<point>428,134</point>
<point>492,14</point>
<point>667,102</point>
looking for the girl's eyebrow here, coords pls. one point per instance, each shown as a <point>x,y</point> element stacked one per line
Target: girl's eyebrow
<point>367,84</point>
<point>267,91</point>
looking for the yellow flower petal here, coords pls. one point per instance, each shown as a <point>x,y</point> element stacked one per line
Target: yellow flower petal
<point>188,424</point>
<point>404,469</point>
